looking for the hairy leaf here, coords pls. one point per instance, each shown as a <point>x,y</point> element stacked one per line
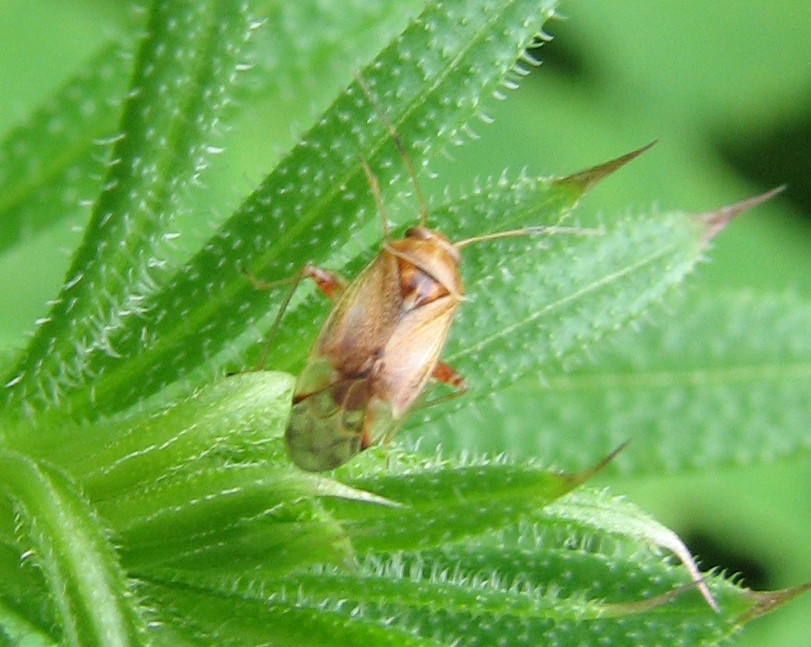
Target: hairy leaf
<point>87,586</point>
<point>313,199</point>
<point>186,63</point>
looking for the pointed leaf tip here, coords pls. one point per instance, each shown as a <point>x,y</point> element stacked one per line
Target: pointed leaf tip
<point>764,602</point>
<point>715,221</point>
<point>586,179</point>
<point>585,475</point>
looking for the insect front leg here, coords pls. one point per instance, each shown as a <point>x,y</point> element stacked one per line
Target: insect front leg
<point>330,284</point>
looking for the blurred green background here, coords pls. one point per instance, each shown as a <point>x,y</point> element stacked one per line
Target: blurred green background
<point>725,88</point>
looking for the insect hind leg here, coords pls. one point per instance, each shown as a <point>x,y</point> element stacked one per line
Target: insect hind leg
<point>450,377</point>
<point>328,283</point>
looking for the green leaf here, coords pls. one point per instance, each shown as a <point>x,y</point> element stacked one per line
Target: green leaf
<point>54,161</point>
<point>234,620</point>
<point>88,589</point>
<point>117,455</point>
<point>468,499</point>
<point>206,474</point>
<point>16,631</point>
<point>601,514</point>
<point>545,577</point>
<point>25,609</point>
<point>737,368</point>
<point>183,72</point>
<point>726,375</point>
<point>118,446</point>
<point>319,188</point>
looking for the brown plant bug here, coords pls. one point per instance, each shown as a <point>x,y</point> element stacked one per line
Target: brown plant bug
<point>381,342</point>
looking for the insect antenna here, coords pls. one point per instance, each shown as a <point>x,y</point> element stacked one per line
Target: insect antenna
<point>531,231</point>
<point>374,185</point>
<point>400,148</point>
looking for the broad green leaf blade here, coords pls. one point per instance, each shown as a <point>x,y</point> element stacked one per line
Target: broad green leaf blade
<point>603,514</point>
<point>204,484</point>
<point>730,375</point>
<point>54,161</point>
<point>239,418</point>
<point>316,196</point>
<point>546,582</point>
<point>291,530</point>
<point>463,608</point>
<point>235,620</point>
<point>721,380</point>
<point>441,504</point>
<point>532,583</point>
<point>561,300</point>
<point>85,582</point>
<point>185,67</point>
<point>208,474</point>
<point>225,519</point>
<point>455,608</point>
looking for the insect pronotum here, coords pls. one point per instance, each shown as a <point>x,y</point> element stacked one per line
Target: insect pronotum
<point>381,342</point>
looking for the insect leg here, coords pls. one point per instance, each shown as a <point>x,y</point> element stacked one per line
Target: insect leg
<point>329,284</point>
<point>442,373</point>
<point>374,185</point>
<point>447,375</point>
